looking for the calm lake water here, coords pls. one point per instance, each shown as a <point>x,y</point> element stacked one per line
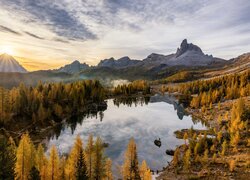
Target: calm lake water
<point>144,120</point>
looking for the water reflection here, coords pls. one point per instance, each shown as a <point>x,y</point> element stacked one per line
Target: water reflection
<point>129,101</point>
<point>145,119</point>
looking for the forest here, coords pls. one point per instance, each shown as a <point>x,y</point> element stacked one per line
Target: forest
<point>28,162</point>
<point>218,89</point>
<point>48,102</point>
<point>132,88</point>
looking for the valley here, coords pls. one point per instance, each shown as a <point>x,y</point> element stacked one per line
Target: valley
<point>190,110</point>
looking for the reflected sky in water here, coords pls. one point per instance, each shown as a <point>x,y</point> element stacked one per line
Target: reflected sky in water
<point>143,122</point>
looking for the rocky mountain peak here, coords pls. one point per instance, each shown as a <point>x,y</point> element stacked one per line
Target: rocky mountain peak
<point>185,46</point>
<point>76,62</point>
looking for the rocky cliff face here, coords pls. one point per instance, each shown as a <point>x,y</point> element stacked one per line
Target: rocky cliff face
<point>187,47</point>
<point>119,63</point>
<point>74,67</point>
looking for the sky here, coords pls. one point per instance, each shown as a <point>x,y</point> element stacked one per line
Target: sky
<point>46,34</point>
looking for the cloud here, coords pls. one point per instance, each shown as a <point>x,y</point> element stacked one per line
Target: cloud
<point>97,29</point>
<point>8,30</point>
<point>33,35</point>
<point>50,14</point>
<point>60,40</point>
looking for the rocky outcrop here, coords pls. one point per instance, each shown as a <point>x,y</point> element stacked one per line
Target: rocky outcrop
<point>119,63</point>
<point>74,67</point>
<point>187,47</point>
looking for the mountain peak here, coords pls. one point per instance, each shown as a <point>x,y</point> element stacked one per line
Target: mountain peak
<point>9,64</point>
<point>76,62</point>
<point>74,67</point>
<point>185,46</point>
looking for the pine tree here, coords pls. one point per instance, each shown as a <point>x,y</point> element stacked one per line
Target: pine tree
<point>130,168</point>
<point>53,165</point>
<point>24,158</point>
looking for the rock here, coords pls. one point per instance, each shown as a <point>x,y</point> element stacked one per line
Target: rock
<point>119,63</point>
<point>187,47</point>
<point>158,142</point>
<point>73,68</point>
<point>170,152</point>
<point>105,145</point>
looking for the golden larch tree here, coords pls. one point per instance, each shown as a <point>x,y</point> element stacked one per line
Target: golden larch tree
<point>130,168</point>
<point>145,171</point>
<point>24,158</point>
<point>53,165</point>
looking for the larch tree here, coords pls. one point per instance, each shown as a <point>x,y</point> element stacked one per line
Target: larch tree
<point>99,159</point>
<point>130,168</point>
<point>145,173</point>
<point>108,170</point>
<point>41,162</point>
<point>81,169</point>
<point>62,168</point>
<point>186,159</point>
<point>7,158</point>
<point>185,137</point>
<point>53,165</point>
<point>74,156</point>
<point>89,154</point>
<point>34,174</point>
<point>176,157</point>
<point>24,158</point>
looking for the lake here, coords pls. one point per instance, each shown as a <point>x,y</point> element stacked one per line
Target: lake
<point>144,119</point>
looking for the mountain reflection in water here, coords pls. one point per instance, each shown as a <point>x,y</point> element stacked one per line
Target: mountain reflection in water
<point>145,119</point>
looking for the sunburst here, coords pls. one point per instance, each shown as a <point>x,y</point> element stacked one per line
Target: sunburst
<point>7,49</point>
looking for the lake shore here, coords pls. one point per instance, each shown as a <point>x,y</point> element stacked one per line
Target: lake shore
<point>218,168</point>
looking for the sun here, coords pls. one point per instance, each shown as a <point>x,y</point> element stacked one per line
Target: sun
<point>7,49</point>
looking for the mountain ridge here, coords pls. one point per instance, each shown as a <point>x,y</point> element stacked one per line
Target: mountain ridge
<point>72,68</point>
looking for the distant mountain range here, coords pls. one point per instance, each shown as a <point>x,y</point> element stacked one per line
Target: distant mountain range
<point>9,64</point>
<point>188,55</point>
<point>188,58</point>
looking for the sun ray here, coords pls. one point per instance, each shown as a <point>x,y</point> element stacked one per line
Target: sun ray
<point>7,49</point>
